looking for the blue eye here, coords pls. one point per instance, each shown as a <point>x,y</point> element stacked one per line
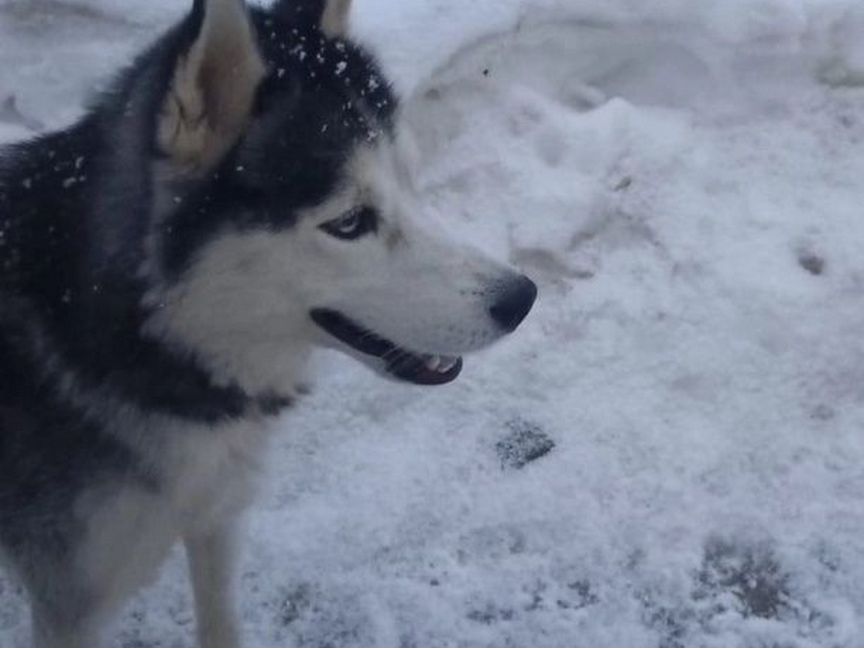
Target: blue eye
<point>354,224</point>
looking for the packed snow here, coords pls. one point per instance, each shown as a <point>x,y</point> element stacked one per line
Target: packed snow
<point>670,452</point>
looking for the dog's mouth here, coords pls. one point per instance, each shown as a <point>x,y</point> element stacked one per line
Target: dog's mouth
<point>416,368</point>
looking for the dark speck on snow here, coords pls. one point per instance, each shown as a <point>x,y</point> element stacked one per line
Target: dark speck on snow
<point>525,443</point>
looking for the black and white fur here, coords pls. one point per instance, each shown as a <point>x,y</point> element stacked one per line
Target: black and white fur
<point>167,264</point>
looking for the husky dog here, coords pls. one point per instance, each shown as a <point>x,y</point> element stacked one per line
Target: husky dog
<point>235,199</point>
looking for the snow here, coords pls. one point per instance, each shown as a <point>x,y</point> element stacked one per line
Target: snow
<point>683,178</point>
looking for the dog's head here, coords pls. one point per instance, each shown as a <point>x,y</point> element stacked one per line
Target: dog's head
<point>286,218</point>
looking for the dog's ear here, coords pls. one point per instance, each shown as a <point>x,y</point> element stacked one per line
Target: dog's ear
<point>212,92</point>
<point>330,16</point>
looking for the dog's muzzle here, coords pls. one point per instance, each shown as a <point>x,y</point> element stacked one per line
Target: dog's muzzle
<point>513,301</point>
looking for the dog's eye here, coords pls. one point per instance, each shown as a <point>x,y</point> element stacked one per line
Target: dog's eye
<point>353,225</point>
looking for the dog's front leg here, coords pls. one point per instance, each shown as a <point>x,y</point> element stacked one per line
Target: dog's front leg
<point>211,563</point>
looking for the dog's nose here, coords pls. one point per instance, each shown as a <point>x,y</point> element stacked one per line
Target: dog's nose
<point>514,303</point>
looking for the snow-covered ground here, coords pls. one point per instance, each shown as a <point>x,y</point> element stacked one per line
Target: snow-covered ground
<point>685,179</point>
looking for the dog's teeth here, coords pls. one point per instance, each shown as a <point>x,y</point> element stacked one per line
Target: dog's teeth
<point>447,364</point>
<point>440,364</point>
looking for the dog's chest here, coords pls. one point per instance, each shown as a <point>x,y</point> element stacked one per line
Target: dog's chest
<point>210,474</point>
<point>206,477</point>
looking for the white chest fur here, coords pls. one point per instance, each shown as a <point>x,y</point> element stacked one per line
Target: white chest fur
<point>210,473</point>
<point>206,477</point>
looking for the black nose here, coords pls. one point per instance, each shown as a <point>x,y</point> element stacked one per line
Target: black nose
<point>514,303</point>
